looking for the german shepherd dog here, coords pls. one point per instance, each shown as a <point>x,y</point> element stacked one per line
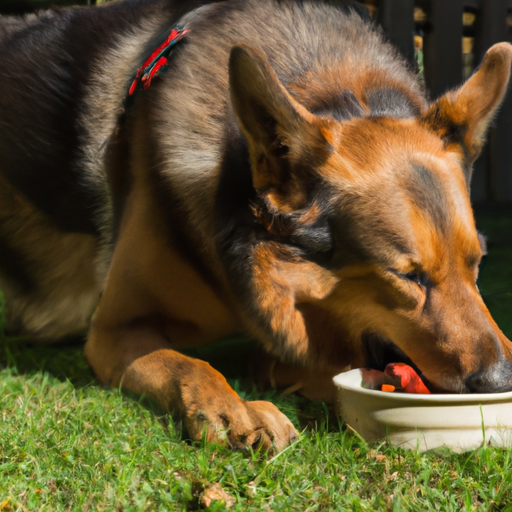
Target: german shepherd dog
<point>284,175</point>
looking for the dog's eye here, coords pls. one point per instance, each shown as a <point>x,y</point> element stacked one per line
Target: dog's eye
<point>416,277</point>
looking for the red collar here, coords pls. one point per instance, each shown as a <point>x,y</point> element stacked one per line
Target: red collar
<point>158,59</point>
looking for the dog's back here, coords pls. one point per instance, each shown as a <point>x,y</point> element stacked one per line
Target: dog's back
<point>11,24</point>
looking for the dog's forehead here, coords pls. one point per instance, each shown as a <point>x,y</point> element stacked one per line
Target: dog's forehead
<point>405,190</point>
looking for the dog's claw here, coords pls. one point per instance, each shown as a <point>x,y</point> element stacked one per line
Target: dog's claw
<point>278,432</point>
<point>257,425</point>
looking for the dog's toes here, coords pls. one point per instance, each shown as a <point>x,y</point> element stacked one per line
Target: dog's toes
<point>212,410</point>
<point>276,431</point>
<point>259,426</point>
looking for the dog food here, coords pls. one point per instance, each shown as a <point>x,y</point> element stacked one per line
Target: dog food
<point>395,377</point>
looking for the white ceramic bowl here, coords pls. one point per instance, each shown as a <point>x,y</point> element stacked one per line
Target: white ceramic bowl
<point>425,422</point>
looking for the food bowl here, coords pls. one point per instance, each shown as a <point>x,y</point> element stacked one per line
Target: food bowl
<point>425,422</point>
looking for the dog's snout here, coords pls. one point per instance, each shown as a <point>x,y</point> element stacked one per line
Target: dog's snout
<point>496,379</point>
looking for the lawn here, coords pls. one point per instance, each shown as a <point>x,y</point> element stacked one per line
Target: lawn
<point>66,443</point>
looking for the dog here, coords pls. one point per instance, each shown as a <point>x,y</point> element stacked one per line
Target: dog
<point>283,175</point>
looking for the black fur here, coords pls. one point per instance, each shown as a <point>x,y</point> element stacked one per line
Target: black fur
<point>52,59</point>
<point>391,102</point>
<point>429,196</point>
<point>15,267</point>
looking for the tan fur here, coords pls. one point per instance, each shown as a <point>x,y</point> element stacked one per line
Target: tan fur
<point>101,112</point>
<point>192,120</point>
<point>62,264</point>
<point>475,103</point>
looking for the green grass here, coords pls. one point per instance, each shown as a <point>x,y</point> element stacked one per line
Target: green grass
<point>66,443</point>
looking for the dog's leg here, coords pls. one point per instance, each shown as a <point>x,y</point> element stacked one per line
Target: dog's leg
<point>138,360</point>
<point>126,351</point>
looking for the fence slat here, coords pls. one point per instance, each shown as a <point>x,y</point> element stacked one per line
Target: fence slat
<point>397,19</point>
<point>443,46</point>
<point>491,28</point>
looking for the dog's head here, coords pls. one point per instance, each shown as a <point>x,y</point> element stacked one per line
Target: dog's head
<point>372,254</point>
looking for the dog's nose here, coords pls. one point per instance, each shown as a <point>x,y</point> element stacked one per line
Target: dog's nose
<point>496,379</point>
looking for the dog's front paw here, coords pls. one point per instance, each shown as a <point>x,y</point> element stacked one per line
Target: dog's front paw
<point>257,425</point>
<point>276,432</point>
<point>214,411</point>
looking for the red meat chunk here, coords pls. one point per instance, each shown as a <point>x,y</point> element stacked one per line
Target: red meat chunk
<point>398,375</point>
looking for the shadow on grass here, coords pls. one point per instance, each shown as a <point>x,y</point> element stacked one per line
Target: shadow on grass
<point>65,360</point>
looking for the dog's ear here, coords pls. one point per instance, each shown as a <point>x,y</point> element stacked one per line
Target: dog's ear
<point>286,142</point>
<point>463,115</point>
